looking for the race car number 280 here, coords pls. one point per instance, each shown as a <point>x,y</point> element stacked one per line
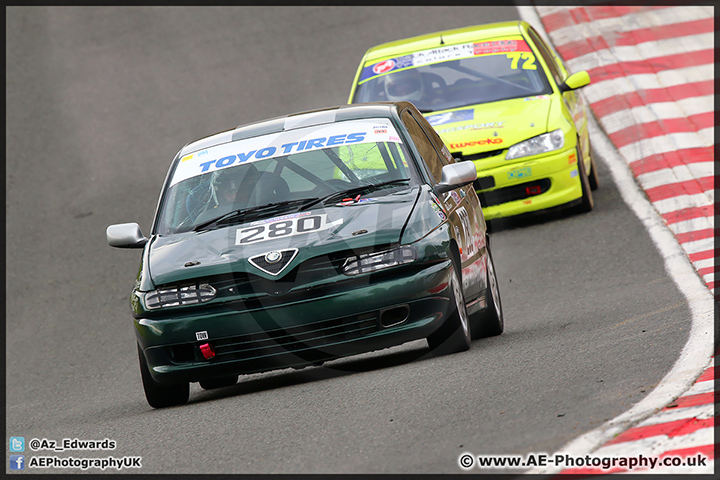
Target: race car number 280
<point>285,226</point>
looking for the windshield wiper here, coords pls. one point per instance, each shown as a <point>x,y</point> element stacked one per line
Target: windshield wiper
<point>256,212</point>
<point>354,191</point>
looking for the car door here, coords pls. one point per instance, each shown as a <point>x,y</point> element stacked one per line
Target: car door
<point>461,205</point>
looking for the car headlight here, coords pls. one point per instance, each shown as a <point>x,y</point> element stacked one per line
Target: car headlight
<point>373,262</point>
<point>544,143</point>
<point>174,297</point>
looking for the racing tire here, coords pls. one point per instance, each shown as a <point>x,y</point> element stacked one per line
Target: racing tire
<point>490,321</point>
<point>161,396</point>
<point>587,203</point>
<point>453,336</point>
<point>593,177</point>
<point>213,383</point>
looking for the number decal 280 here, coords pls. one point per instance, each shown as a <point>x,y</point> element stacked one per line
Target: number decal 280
<point>283,227</point>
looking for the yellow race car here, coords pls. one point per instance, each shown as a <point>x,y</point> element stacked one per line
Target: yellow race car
<point>499,97</point>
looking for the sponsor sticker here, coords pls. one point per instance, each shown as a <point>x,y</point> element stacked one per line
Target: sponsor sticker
<point>537,97</point>
<point>441,54</point>
<point>284,143</point>
<point>474,126</point>
<point>435,204</point>
<point>476,143</point>
<point>451,117</point>
<point>353,202</point>
<point>520,173</point>
<point>383,67</point>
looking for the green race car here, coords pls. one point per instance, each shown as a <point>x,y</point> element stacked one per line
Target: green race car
<point>306,238</point>
<point>499,97</point>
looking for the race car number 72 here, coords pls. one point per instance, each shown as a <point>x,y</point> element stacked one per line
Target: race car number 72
<point>283,227</point>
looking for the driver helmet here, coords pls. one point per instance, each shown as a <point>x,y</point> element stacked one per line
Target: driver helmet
<point>404,85</point>
<point>226,183</point>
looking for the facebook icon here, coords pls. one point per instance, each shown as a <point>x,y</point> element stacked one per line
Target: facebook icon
<point>17,462</point>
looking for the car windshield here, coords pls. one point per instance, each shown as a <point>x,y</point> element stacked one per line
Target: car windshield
<point>456,75</point>
<point>293,169</point>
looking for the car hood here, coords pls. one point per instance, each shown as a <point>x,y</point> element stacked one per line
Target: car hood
<point>492,126</point>
<point>377,219</point>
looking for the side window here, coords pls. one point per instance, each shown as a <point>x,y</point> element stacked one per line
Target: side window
<point>424,146</point>
<point>445,155</point>
<point>548,57</point>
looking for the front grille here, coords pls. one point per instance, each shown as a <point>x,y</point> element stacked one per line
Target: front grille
<point>260,261</point>
<point>516,192</point>
<point>299,338</point>
<point>477,156</point>
<point>484,183</point>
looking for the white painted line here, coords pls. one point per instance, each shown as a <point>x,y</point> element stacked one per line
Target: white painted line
<point>707,263</point>
<point>656,445</point>
<point>599,90</point>
<point>654,112</point>
<point>692,225</point>
<point>699,388</point>
<point>708,134</point>
<point>681,202</point>
<point>704,245</point>
<point>697,105</point>
<point>626,23</point>
<point>667,143</point>
<point>701,412</point>
<point>648,51</point>
<point>680,173</point>
<point>699,347</point>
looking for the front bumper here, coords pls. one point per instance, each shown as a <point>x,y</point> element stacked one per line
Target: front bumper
<point>537,184</point>
<point>378,311</point>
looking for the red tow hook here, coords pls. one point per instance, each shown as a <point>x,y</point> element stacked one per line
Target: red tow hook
<point>207,351</point>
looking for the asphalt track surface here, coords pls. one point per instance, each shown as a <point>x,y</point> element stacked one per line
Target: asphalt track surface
<point>98,102</point>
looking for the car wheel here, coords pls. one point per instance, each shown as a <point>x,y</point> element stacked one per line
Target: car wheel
<point>587,202</point>
<point>454,334</point>
<point>218,382</point>
<point>490,321</point>
<point>161,396</point>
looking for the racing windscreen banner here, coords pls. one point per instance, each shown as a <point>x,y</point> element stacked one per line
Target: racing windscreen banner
<point>300,140</point>
<point>514,43</point>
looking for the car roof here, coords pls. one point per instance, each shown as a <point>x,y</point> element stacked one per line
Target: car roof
<point>445,37</point>
<point>296,120</point>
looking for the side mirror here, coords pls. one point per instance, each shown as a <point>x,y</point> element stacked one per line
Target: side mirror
<point>125,235</point>
<point>456,175</point>
<point>575,81</point>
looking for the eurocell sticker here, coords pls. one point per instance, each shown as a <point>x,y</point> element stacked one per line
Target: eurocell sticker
<point>285,143</point>
<point>442,54</point>
<point>284,227</point>
<point>451,117</point>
